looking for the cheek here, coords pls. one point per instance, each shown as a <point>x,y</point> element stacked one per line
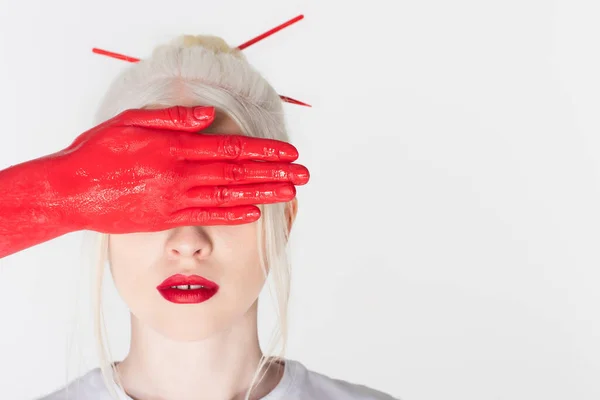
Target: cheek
<point>129,258</point>
<point>241,272</point>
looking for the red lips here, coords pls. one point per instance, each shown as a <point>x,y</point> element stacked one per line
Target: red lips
<point>187,295</point>
<point>178,279</point>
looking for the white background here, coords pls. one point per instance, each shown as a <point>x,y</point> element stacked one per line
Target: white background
<point>446,246</point>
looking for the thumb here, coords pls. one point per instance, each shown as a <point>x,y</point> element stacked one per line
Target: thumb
<point>176,118</point>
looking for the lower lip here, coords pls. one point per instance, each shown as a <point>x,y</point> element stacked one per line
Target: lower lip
<point>187,296</point>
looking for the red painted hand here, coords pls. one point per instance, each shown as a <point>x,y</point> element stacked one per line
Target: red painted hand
<point>146,170</point>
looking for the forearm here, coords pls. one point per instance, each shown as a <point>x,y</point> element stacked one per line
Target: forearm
<point>30,213</point>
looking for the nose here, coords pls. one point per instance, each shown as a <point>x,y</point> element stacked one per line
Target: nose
<point>189,241</point>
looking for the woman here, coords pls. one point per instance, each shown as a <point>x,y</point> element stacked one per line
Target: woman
<point>191,278</point>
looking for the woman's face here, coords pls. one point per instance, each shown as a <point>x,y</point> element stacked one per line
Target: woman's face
<point>225,254</point>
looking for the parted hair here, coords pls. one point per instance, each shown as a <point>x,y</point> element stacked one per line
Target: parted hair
<point>205,70</point>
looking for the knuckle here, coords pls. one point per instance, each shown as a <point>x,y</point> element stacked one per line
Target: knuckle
<point>177,114</point>
<point>200,216</point>
<point>222,195</point>
<point>231,216</point>
<point>232,146</point>
<point>270,152</point>
<point>279,174</point>
<point>234,172</point>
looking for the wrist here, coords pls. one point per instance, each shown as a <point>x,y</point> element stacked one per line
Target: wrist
<point>32,197</point>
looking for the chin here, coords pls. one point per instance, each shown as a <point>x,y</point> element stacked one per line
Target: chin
<point>186,332</point>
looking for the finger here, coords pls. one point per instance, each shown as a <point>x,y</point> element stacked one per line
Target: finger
<point>229,173</point>
<point>213,216</point>
<point>228,196</point>
<point>202,147</point>
<point>178,118</point>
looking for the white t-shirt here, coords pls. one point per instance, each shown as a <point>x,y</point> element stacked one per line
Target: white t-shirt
<point>297,383</point>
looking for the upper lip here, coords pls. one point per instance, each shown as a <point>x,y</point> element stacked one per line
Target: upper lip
<point>179,279</point>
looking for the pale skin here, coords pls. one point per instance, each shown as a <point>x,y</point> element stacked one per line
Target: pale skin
<point>193,351</point>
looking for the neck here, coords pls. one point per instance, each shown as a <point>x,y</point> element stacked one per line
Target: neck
<point>219,367</point>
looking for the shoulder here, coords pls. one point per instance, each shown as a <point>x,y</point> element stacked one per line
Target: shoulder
<point>89,386</point>
<point>313,385</point>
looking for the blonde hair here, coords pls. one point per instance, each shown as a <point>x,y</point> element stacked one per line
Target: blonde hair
<point>205,70</point>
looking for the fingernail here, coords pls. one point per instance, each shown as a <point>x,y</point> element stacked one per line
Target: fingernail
<point>286,191</point>
<point>289,151</point>
<point>253,214</point>
<point>204,113</point>
<point>300,172</point>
